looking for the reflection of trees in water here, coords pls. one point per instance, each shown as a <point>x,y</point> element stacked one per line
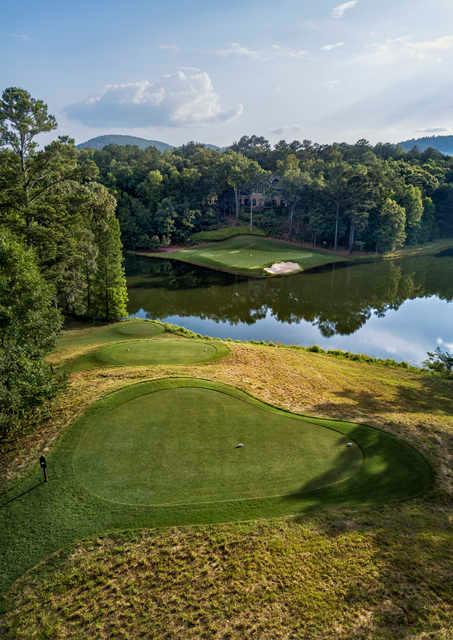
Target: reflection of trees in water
<point>337,301</point>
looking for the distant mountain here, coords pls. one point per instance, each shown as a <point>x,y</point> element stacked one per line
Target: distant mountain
<point>102,141</point>
<point>444,144</point>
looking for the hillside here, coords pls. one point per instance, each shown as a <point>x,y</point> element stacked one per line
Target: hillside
<point>99,142</point>
<point>444,144</point>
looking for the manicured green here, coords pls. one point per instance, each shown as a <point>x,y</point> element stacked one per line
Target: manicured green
<point>226,232</point>
<point>169,444</point>
<point>74,339</point>
<point>161,350</point>
<point>249,255</point>
<point>180,447</point>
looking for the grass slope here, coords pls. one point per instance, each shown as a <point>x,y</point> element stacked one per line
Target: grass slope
<point>226,232</point>
<point>40,518</point>
<point>248,255</point>
<point>372,577</point>
<point>161,350</point>
<point>75,341</point>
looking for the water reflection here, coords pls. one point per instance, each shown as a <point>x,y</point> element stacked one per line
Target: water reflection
<point>388,309</point>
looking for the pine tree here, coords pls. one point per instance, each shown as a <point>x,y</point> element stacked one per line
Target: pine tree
<point>107,285</point>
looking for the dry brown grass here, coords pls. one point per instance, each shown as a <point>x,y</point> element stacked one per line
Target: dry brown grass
<point>318,580</point>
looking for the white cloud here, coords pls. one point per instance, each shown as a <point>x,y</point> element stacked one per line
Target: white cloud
<point>20,36</point>
<point>332,84</point>
<point>236,49</point>
<point>433,130</point>
<point>169,47</point>
<point>334,45</point>
<point>341,9</point>
<point>186,97</point>
<point>392,49</point>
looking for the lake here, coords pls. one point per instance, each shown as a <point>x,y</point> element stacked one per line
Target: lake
<point>399,309</point>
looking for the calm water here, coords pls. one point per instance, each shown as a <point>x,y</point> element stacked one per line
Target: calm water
<point>398,309</point>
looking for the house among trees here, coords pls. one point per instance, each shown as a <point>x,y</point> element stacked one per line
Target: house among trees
<point>268,196</point>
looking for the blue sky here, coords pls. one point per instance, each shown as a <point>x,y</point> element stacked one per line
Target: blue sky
<point>214,70</point>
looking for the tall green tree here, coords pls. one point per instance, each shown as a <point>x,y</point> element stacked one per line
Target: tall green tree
<point>412,201</point>
<point>391,233</point>
<point>108,291</point>
<point>29,324</point>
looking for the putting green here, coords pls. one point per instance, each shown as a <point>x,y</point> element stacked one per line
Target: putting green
<point>162,350</point>
<point>179,446</point>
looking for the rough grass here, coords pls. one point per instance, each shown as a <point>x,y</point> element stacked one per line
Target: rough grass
<point>226,232</point>
<point>248,255</point>
<point>373,574</point>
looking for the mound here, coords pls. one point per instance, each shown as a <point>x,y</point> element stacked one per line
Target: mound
<point>165,350</point>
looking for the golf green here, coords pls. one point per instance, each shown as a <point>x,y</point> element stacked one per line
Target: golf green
<point>160,350</point>
<point>180,445</point>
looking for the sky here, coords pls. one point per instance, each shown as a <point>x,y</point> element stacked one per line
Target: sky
<point>214,70</point>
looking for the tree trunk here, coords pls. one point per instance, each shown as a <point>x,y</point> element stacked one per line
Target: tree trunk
<point>337,220</point>
<point>251,214</point>
<point>291,218</point>
<point>351,237</point>
<point>236,201</point>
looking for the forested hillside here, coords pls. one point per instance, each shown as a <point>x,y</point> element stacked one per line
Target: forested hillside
<point>352,196</point>
<point>443,144</point>
<point>99,142</point>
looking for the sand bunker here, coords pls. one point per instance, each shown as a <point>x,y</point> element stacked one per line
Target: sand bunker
<point>282,268</point>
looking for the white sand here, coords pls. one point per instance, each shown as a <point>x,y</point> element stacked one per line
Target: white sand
<point>282,268</point>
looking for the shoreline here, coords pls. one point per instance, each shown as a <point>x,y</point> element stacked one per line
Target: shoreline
<point>341,258</point>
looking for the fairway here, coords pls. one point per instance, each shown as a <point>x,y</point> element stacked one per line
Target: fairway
<point>179,445</point>
<point>162,350</point>
<point>249,255</point>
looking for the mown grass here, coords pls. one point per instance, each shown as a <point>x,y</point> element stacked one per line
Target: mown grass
<point>73,341</point>
<point>226,232</point>
<point>248,255</point>
<point>159,350</point>
<point>369,573</point>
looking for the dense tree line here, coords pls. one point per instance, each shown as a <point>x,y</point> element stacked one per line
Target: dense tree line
<point>341,196</point>
<point>60,252</point>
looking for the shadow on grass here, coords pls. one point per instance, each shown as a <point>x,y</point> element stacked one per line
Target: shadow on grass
<point>391,470</point>
<point>430,394</point>
<point>406,589</point>
<point>8,500</point>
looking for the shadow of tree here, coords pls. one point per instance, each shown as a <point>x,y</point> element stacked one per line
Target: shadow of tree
<point>408,594</point>
<point>430,394</point>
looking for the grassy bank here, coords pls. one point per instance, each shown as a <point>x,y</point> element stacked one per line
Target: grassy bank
<point>369,572</point>
<point>248,255</point>
<point>224,233</point>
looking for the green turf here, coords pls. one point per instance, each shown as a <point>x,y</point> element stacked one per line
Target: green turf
<point>161,350</point>
<point>249,255</point>
<point>87,336</point>
<point>179,447</point>
<point>169,445</point>
<point>224,233</point>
